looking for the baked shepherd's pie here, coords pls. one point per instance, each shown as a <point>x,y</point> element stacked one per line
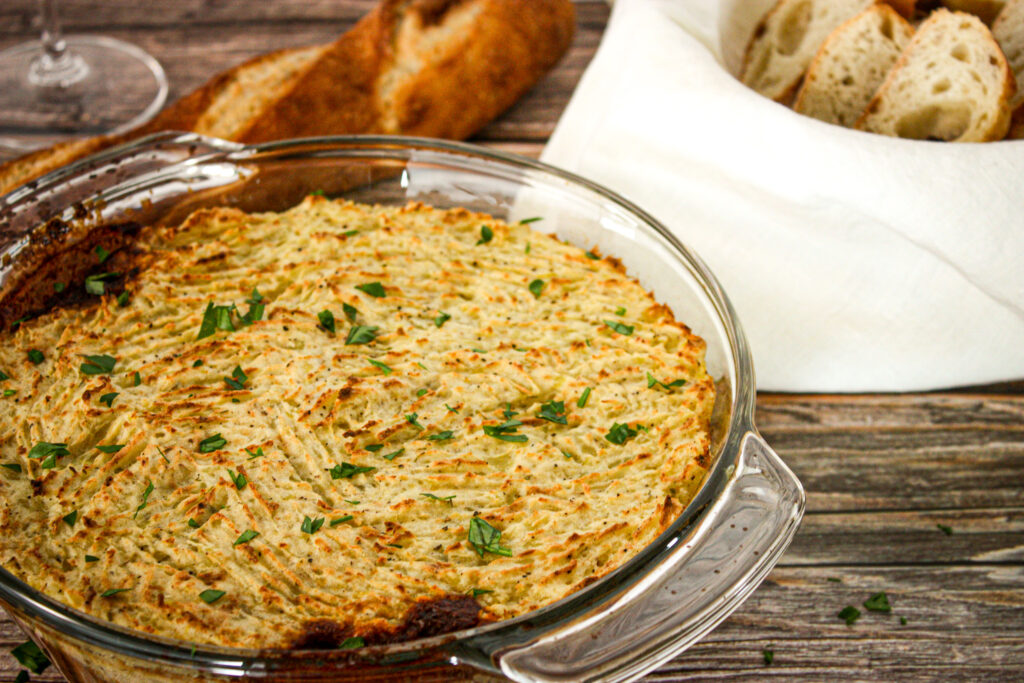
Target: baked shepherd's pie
<point>341,425</point>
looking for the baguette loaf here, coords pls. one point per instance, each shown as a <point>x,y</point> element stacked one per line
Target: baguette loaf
<point>851,64</point>
<point>437,68</point>
<point>951,83</point>
<point>1008,31</point>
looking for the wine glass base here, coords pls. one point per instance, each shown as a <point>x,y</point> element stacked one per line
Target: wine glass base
<point>120,87</point>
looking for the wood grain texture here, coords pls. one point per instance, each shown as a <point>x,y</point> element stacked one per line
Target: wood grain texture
<point>881,471</point>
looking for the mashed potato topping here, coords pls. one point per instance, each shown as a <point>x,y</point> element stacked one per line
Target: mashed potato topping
<point>336,414</point>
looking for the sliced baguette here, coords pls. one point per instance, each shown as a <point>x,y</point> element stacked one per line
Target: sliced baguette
<point>986,10</point>
<point>852,62</point>
<point>1008,31</point>
<point>951,83</point>
<point>787,39</point>
<point>438,68</point>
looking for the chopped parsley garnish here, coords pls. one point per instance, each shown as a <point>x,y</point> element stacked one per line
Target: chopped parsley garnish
<point>98,365</point>
<point>879,602</point>
<point>96,284</point>
<point>256,307</point>
<point>508,412</point>
<point>136,379</point>
<point>198,364</point>
<point>377,364</point>
<point>675,384</point>
<point>361,334</point>
<point>318,193</point>
<point>553,411</point>
<point>111,592</point>
<point>486,235</point>
<point>485,538</point>
<point>215,318</point>
<point>326,319</point>
<point>621,310</point>
<point>442,499</point>
<point>212,443</point>
<point>3,376</point>
<point>442,319</point>
<point>352,502</point>
<point>111,449</point>
<point>257,454</point>
<point>506,431</point>
<point>619,327</point>
<point>582,402</point>
<point>341,520</point>
<point>592,256</point>
<point>527,249</point>
<point>395,454</point>
<point>245,537</point>
<point>71,518</point>
<point>44,449</point>
<point>238,480</point>
<point>536,287</point>
<point>948,530</point>
<point>421,392</point>
<point>769,656</point>
<point>350,233</point>
<point>413,419</point>
<point>36,356</point>
<point>903,621</point>
<point>211,595</point>
<point>49,463</point>
<point>374,289</point>
<point>352,643</point>
<point>12,466</point>
<point>59,287</point>
<point>849,614</point>
<point>237,380</point>
<point>374,447</point>
<point>31,657</point>
<point>101,253</point>
<point>108,399</point>
<point>347,470</point>
<point>123,299</point>
<point>163,455</point>
<point>91,558</point>
<point>442,436</point>
<point>311,526</point>
<point>350,312</point>
<point>530,220</point>
<point>193,523</point>
<point>145,499</point>
<point>620,433</point>
<point>9,392</point>
<point>450,409</point>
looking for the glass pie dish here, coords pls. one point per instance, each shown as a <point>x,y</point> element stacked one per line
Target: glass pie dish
<point>617,628</point>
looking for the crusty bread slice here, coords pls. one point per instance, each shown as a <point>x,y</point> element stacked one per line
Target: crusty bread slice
<point>787,39</point>
<point>1008,31</point>
<point>904,7</point>
<point>951,83</point>
<point>852,62</point>
<point>437,68</point>
<point>986,10</point>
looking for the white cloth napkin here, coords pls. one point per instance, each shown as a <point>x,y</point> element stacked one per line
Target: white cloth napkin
<point>856,262</point>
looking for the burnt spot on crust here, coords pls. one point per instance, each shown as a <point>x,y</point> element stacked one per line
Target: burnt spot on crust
<point>427,618</point>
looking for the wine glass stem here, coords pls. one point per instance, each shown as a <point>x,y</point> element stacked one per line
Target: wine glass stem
<point>56,69</point>
<point>53,38</point>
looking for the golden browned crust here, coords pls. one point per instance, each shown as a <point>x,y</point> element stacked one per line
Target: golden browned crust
<point>438,68</point>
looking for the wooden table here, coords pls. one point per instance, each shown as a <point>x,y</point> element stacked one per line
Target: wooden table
<point>882,472</point>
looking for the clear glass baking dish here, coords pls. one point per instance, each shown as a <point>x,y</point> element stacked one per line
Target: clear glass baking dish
<point>618,628</point>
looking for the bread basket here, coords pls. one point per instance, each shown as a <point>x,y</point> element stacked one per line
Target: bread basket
<point>619,627</point>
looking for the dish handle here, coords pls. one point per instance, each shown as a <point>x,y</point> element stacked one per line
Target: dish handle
<point>709,575</point>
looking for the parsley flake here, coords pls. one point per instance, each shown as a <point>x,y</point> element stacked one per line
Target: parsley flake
<point>350,312</point>
<point>486,235</point>
<point>675,384</point>
<point>257,454</point>
<point>536,287</point>
<point>12,466</point>
<point>592,256</point>
<point>4,376</point>
<point>108,399</point>
<point>45,449</point>
<point>193,523</point>
<point>145,499</point>
<point>413,419</point>
<point>96,284</point>
<point>477,592</point>
<point>215,318</point>
<point>553,411</point>
<point>377,364</point>
<point>374,289</point>
<point>450,409</point>
<point>237,380</point>
<point>621,310</point>
<point>442,436</point>
<point>849,614</point>
<point>442,319</point>
<point>111,449</point>
<point>91,558</point>
<point>485,538</point>
<point>212,443</point>
<point>506,431</point>
<point>347,470</point>
<point>311,526</point>
<point>326,319</point>
<point>123,299</point>
<point>238,480</point>
<point>59,287</point>
<point>361,334</point>
<point>530,220</point>
<point>582,402</point>
<point>71,518</point>
<point>31,657</point>
<point>421,392</point>
<point>211,595</point>
<point>620,433</point>
<point>36,356</point>
<point>245,537</point>
<point>101,253</point>
<point>442,499</point>
<point>341,520</point>
<point>136,379</point>
<point>879,602</point>
<point>395,454</point>
<point>111,592</point>
<point>352,643</point>
<point>9,392</point>
<point>619,327</point>
<point>98,365</point>
<point>374,447</point>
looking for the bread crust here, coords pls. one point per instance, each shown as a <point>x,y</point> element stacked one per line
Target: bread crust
<point>449,86</point>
